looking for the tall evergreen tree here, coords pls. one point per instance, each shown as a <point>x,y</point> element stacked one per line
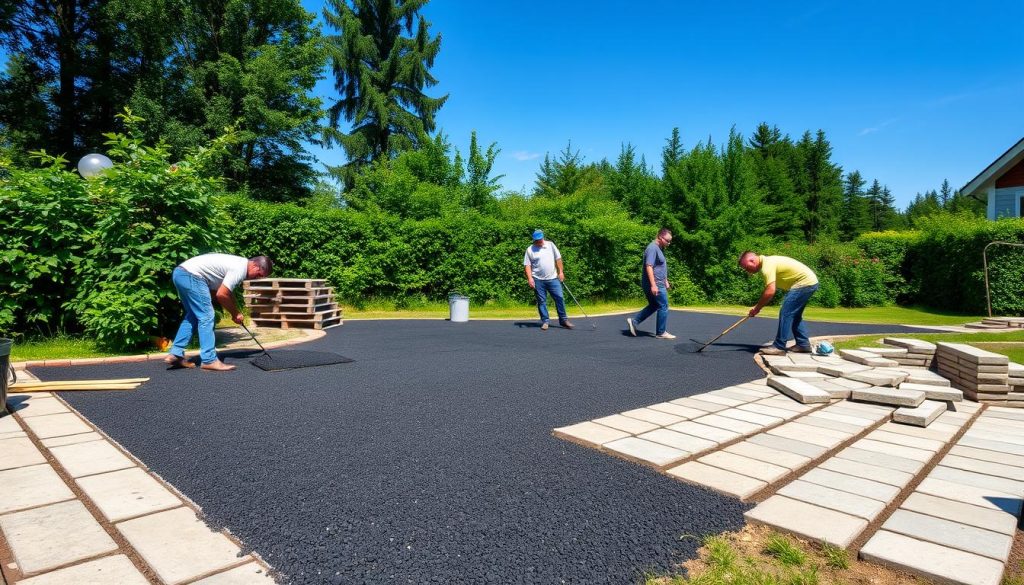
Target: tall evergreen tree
<point>381,76</point>
<point>819,183</point>
<point>480,185</point>
<point>673,150</point>
<point>631,183</point>
<point>773,154</point>
<point>565,175</point>
<point>945,194</point>
<point>855,219</point>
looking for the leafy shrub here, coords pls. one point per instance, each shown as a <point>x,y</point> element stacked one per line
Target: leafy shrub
<point>893,249</point>
<point>45,214</point>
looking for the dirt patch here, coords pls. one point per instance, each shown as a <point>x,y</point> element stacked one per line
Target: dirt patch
<point>753,564</point>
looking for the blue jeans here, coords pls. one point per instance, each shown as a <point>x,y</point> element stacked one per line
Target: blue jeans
<point>195,297</point>
<point>655,304</point>
<point>541,289</point>
<point>791,317</point>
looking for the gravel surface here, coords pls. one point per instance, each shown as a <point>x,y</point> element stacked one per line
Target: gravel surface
<point>430,458</point>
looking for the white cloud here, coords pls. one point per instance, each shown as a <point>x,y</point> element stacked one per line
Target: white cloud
<point>873,129</point>
<point>523,155</point>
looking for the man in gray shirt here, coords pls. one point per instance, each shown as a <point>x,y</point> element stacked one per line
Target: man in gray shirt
<point>198,280</point>
<point>654,281</point>
<point>540,262</point>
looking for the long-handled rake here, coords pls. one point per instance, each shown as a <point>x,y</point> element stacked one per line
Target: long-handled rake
<point>593,325</point>
<point>722,334</point>
<point>256,340</point>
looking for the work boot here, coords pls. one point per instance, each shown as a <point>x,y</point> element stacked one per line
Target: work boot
<point>544,326</point>
<point>665,335</point>
<point>566,324</point>
<point>801,349</point>
<point>175,362</point>
<point>217,366</point>
<point>631,325</point>
<point>772,351</point>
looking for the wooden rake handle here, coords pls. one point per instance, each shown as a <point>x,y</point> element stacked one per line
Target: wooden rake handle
<point>722,334</point>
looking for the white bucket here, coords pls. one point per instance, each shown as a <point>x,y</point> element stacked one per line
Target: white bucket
<point>458,308</point>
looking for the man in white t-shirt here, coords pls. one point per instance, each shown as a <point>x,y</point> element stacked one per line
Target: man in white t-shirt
<point>540,263</point>
<point>198,280</point>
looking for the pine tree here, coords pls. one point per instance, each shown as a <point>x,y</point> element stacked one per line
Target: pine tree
<point>480,185</point>
<point>819,182</point>
<point>773,154</point>
<point>673,150</point>
<point>566,175</point>
<point>381,76</point>
<point>945,194</point>
<point>855,219</point>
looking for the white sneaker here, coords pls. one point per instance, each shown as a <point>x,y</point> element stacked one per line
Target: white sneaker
<point>666,335</point>
<point>632,326</point>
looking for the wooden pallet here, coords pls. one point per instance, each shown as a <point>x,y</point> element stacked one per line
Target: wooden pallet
<point>290,303</point>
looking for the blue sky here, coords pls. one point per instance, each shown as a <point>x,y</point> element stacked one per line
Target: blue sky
<point>907,92</point>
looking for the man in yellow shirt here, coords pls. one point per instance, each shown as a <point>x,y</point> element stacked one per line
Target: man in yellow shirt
<point>798,281</point>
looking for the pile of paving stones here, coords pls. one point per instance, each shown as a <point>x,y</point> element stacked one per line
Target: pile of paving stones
<point>982,375</point>
<point>997,323</point>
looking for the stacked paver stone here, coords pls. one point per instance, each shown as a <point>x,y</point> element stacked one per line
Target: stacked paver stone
<point>997,323</point>
<point>982,375</point>
<point>918,353</point>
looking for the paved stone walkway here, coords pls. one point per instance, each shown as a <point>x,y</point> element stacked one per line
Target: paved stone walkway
<point>830,470</point>
<point>75,509</point>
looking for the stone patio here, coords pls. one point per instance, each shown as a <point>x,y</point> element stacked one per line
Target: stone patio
<point>77,509</point>
<point>830,446</point>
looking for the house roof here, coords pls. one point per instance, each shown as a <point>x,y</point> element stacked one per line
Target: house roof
<point>1009,158</point>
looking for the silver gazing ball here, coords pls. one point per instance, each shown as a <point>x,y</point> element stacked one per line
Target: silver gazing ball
<point>92,165</point>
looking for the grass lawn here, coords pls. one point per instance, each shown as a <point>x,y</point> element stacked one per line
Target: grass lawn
<point>487,310</point>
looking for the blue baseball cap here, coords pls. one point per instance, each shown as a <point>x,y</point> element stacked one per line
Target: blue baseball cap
<point>538,235</point>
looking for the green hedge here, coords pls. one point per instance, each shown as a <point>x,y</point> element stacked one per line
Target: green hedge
<point>366,255</point>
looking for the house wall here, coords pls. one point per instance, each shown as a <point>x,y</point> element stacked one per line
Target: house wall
<point>1007,202</point>
<point>1013,177</point>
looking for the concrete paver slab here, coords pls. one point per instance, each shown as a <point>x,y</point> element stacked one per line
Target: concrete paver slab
<point>860,486</point>
<point>952,534</point>
<point>881,459</point>
<point>653,416</point>
<point>681,441</point>
<point>969,494</point>
<point>27,487</point>
<point>591,432</point>
<point>987,455</point>
<point>892,396</point>
<point>763,420</point>
<point>19,452</point>
<point>627,424</point>
<point>51,536</point>
<point>907,440</point>
<point>799,390</point>
<point>81,459</point>
<point>831,414</point>
<point>693,402</point>
<point>719,399</point>
<point>994,520</point>
<point>786,403</point>
<point>938,563</point>
<point>932,392</point>
<point>999,484</point>
<point>56,425</point>
<point>874,378</point>
<point>127,493</point>
<point>649,451</point>
<point>250,574</point>
<point>785,459</point>
<point>985,467</point>
<point>807,520</point>
<point>741,427</point>
<point>766,472</point>
<point>893,449</point>
<point>178,546</point>
<point>727,482</point>
<point>71,439</point>
<point>833,499</point>
<point>785,444</point>
<point>683,412</point>
<point>105,571</point>
<point>761,408</point>
<point>704,431</point>
<point>828,423</point>
<point>941,434</point>
<point>40,406</point>
<point>920,416</point>
<point>808,434</point>
<point>997,436</point>
<point>877,473</point>
<point>8,424</point>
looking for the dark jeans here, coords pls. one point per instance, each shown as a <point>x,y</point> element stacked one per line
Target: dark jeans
<point>655,304</point>
<point>553,286</point>
<point>791,317</point>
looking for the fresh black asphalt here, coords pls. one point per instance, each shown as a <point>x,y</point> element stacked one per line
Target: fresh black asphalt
<point>430,458</point>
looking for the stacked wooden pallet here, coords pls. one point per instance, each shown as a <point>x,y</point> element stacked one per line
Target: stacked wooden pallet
<point>982,375</point>
<point>291,303</point>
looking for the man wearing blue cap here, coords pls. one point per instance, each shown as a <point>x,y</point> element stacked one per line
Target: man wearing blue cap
<point>540,264</point>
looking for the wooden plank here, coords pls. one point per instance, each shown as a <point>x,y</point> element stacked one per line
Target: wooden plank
<point>291,283</point>
<point>78,382</point>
